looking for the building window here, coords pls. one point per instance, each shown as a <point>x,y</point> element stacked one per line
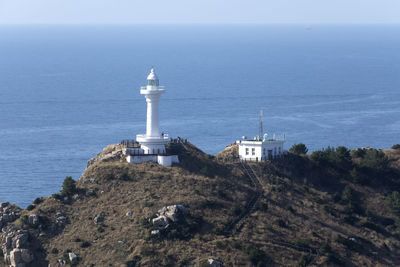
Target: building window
<point>279,150</point>
<point>275,151</point>
<point>253,151</point>
<point>264,151</point>
<point>247,150</point>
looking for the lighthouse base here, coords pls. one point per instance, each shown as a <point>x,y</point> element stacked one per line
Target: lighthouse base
<point>160,159</point>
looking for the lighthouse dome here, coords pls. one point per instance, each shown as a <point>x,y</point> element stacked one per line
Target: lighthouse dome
<point>152,79</point>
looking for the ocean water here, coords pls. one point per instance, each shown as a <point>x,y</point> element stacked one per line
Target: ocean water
<point>68,91</point>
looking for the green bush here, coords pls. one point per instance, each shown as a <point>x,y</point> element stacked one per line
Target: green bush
<point>30,207</point>
<point>396,146</point>
<point>338,157</point>
<point>68,187</point>
<point>347,195</point>
<point>299,149</point>
<point>375,159</point>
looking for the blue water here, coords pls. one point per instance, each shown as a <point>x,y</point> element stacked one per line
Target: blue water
<point>67,92</point>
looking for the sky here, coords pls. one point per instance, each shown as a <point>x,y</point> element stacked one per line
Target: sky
<point>199,11</point>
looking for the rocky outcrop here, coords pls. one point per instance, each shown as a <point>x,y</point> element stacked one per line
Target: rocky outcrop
<point>110,153</point>
<point>15,246</point>
<point>8,213</point>
<point>168,214</point>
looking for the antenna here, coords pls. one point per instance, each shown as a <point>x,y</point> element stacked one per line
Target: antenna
<point>260,134</point>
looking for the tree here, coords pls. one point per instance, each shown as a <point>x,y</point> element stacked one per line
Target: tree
<point>299,149</point>
<point>375,159</point>
<point>68,187</point>
<point>396,146</point>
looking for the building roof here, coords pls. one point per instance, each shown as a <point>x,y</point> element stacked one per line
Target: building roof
<point>152,75</point>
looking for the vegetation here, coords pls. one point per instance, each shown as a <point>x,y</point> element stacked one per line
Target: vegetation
<point>375,159</point>
<point>68,187</point>
<point>299,149</point>
<point>396,146</point>
<point>256,256</point>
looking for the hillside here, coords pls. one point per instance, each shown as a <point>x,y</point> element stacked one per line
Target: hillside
<point>330,208</point>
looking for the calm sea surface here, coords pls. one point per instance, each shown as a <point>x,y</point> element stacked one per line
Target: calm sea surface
<point>67,92</point>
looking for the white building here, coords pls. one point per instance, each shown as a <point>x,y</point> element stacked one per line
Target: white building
<point>260,148</point>
<point>151,146</point>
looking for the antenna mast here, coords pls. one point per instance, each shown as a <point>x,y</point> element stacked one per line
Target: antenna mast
<point>261,131</point>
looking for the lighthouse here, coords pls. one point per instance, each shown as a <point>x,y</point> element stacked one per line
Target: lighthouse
<point>151,146</point>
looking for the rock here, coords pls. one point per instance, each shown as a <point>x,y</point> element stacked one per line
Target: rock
<point>21,239</point>
<point>15,257</point>
<point>128,214</point>
<point>26,255</point>
<point>99,218</point>
<point>61,219</point>
<point>89,192</point>
<point>33,219</point>
<point>155,232</point>
<point>4,204</point>
<point>61,262</point>
<point>172,212</point>
<point>75,197</point>
<point>73,258</point>
<point>214,263</point>
<point>160,221</point>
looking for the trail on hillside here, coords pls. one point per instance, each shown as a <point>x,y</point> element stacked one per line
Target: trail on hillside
<point>233,228</point>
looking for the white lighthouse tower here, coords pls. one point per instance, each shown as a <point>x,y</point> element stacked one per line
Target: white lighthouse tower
<point>152,142</point>
<point>151,146</point>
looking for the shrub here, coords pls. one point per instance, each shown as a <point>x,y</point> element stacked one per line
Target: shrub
<point>54,250</point>
<point>237,208</point>
<point>299,149</point>
<point>85,244</point>
<point>304,260</point>
<point>396,146</point>
<point>393,201</point>
<point>30,207</point>
<point>256,256</point>
<point>356,176</point>
<point>68,187</point>
<point>359,152</point>
<point>375,159</point>
<point>38,201</point>
<point>347,195</point>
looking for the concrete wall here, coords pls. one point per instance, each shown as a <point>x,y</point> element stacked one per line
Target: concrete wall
<point>160,159</point>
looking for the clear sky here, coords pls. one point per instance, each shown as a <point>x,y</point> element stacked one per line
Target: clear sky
<point>198,11</point>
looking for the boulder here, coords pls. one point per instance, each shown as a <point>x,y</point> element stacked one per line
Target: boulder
<point>26,255</point>
<point>61,220</point>
<point>172,212</point>
<point>155,232</point>
<point>4,204</point>
<point>214,263</point>
<point>33,219</point>
<point>73,258</point>
<point>21,239</point>
<point>160,221</point>
<point>15,257</point>
<point>128,214</point>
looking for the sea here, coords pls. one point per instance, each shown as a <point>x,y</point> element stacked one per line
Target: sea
<point>66,92</point>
